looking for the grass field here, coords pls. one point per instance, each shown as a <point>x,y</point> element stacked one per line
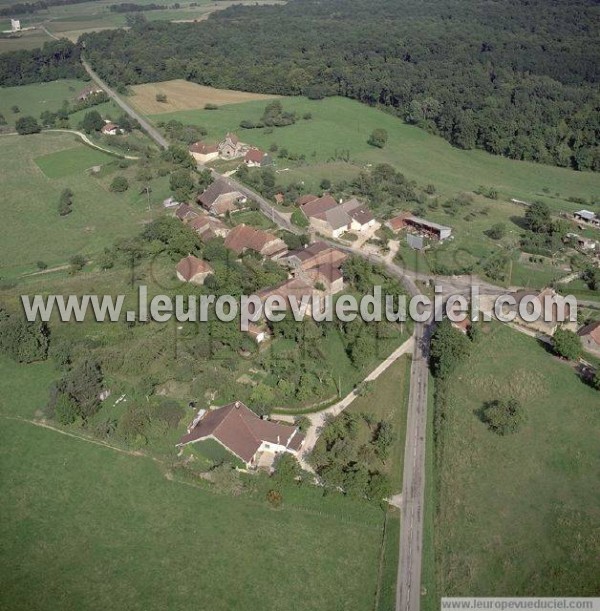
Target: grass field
<point>519,515</point>
<point>35,99</point>
<point>183,95</point>
<point>36,169</point>
<point>93,528</point>
<point>340,125</point>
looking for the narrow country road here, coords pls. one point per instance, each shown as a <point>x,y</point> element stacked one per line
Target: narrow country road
<point>152,132</point>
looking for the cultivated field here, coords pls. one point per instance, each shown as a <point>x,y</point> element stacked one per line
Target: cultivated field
<point>519,515</point>
<point>36,169</point>
<point>77,516</point>
<point>183,95</point>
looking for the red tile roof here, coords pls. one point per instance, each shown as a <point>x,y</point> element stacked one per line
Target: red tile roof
<point>189,266</point>
<point>203,149</point>
<point>254,155</point>
<point>592,330</point>
<point>240,430</point>
<point>243,237</point>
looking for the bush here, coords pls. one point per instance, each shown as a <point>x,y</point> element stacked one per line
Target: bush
<point>161,97</point>
<point>42,265</point>
<point>27,125</point>
<point>378,138</point>
<point>497,231</point>
<point>211,107</point>
<point>567,344</point>
<point>503,417</point>
<point>119,184</point>
<point>77,263</point>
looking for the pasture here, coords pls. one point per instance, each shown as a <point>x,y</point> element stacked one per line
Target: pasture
<point>77,516</point>
<point>183,95</point>
<point>518,515</point>
<point>339,129</point>
<point>35,99</point>
<point>36,169</point>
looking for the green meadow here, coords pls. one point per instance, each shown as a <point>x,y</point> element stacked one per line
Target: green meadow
<point>339,125</point>
<point>35,99</point>
<point>36,169</point>
<point>518,515</point>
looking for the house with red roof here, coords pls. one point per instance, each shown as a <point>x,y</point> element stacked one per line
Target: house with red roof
<point>192,269</point>
<point>590,337</point>
<point>251,439</point>
<point>255,158</point>
<point>243,237</point>
<point>203,153</point>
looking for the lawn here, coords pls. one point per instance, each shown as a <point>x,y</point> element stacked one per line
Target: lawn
<point>339,125</point>
<point>35,99</point>
<point>518,515</point>
<point>32,229</point>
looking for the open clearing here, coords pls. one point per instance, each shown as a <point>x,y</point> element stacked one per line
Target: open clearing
<point>519,515</point>
<point>32,229</point>
<point>183,95</point>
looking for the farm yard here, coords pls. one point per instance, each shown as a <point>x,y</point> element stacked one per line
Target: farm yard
<point>183,95</point>
<point>518,514</point>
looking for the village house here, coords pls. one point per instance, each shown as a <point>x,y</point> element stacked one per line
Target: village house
<point>329,218</point>
<point>208,227</point>
<point>320,264</point>
<point>581,242</point>
<point>590,337</point>
<point>111,129</point>
<point>557,314</point>
<point>220,197</point>
<point>587,217</point>
<point>294,288</point>
<point>203,153</point>
<point>254,441</point>
<point>186,213</point>
<point>242,238</point>
<point>255,158</point>
<point>88,91</point>
<point>231,147</point>
<point>192,269</point>
<point>429,229</point>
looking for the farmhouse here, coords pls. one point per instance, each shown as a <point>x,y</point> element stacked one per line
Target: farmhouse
<point>405,220</point>
<point>243,237</point>
<point>256,442</point>
<point>203,153</point>
<point>208,227</point>
<point>318,263</point>
<point>111,129</point>
<point>255,158</point>
<point>314,255</point>
<point>220,198</point>
<point>587,217</point>
<point>332,219</point>
<point>231,147</point>
<point>192,269</point>
<point>590,337</point>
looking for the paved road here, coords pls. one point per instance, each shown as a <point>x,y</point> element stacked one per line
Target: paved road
<point>145,125</point>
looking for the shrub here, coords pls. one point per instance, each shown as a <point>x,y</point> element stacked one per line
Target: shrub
<point>567,344</point>
<point>503,417</point>
<point>211,107</point>
<point>27,125</point>
<point>378,138</point>
<point>161,97</point>
<point>119,184</point>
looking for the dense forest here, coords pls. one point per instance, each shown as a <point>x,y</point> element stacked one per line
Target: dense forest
<point>514,77</point>
<point>55,60</point>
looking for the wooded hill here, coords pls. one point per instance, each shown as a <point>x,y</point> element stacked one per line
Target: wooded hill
<point>515,78</point>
